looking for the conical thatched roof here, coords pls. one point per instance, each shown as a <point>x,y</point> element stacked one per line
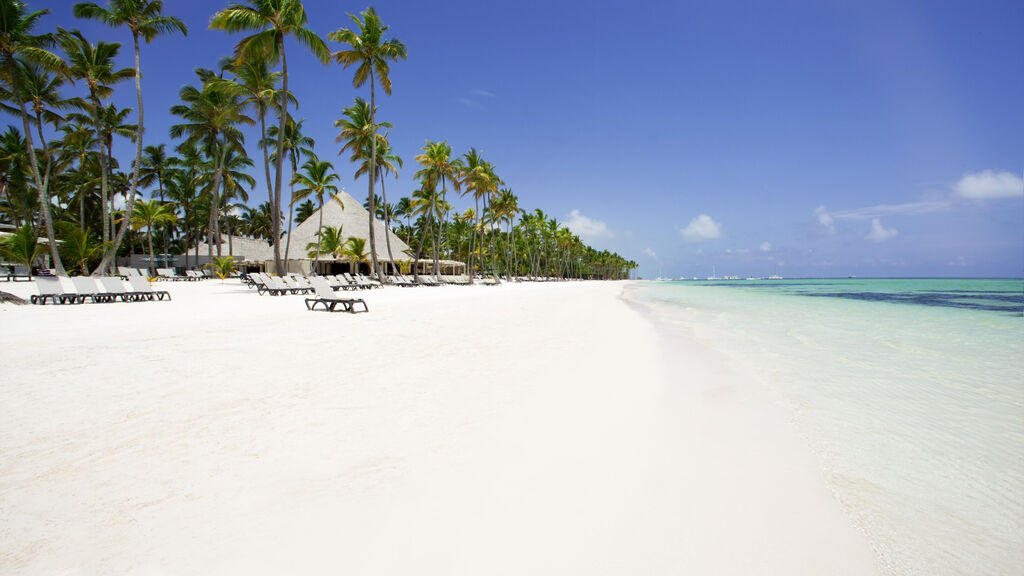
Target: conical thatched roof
<point>354,220</point>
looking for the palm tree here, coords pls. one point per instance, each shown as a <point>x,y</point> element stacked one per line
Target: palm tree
<point>273,20</point>
<point>182,184</point>
<point>155,164</point>
<point>145,19</point>
<point>41,92</point>
<point>22,246</point>
<point>94,63</point>
<point>79,245</point>
<point>17,41</point>
<point>331,242</point>
<point>438,167</point>
<point>478,179</point>
<point>107,123</point>
<point>371,52</point>
<point>386,164</point>
<point>506,207</point>
<point>355,250</point>
<point>297,145</point>
<point>150,213</point>
<point>234,180</point>
<point>14,167</point>
<point>256,85</point>
<point>357,133</point>
<point>317,180</point>
<point>211,118</point>
<point>425,206</point>
<point>305,210</point>
<point>222,266</point>
<point>257,222</point>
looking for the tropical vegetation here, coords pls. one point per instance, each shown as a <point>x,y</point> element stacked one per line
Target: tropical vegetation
<point>70,200</point>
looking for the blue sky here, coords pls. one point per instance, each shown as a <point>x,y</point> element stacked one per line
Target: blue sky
<point>876,138</point>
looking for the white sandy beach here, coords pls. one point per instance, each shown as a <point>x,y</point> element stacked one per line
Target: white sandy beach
<point>523,429</point>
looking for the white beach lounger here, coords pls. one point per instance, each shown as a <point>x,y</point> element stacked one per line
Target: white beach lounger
<point>142,287</point>
<point>51,289</point>
<point>331,302</point>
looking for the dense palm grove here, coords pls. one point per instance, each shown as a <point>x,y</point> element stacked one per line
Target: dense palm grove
<point>62,183</point>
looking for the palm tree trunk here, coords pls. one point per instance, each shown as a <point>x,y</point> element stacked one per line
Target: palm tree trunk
<point>218,175</point>
<point>416,258</point>
<point>472,236</point>
<point>266,168</point>
<point>319,235</point>
<point>291,208</point>
<point>374,265</point>
<point>152,259</point>
<point>44,197</point>
<point>164,228</point>
<point>108,258</point>
<point>387,221</point>
<point>275,201</point>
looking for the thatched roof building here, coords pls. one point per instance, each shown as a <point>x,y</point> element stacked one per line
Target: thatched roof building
<point>353,220</point>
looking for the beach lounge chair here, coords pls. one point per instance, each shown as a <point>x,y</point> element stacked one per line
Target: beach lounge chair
<point>112,286</point>
<point>145,291</point>
<point>51,289</point>
<point>338,282</point>
<point>169,274</point>
<point>369,281</point>
<point>87,288</point>
<point>21,272</point>
<point>273,285</point>
<point>331,302</point>
<point>297,286</point>
<point>124,272</point>
<point>359,283</point>
<point>399,280</point>
<point>193,275</point>
<point>5,273</point>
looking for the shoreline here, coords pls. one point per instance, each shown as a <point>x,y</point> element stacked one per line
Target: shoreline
<point>530,427</point>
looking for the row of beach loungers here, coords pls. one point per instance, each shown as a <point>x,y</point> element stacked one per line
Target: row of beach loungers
<point>162,274</point>
<point>295,284</point>
<point>322,289</point>
<point>107,289</point>
<point>19,273</point>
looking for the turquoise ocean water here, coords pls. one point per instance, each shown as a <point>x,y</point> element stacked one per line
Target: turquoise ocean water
<point>909,392</point>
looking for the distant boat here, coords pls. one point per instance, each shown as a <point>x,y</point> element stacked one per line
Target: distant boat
<point>851,276</point>
<point>775,277</point>
<point>731,278</point>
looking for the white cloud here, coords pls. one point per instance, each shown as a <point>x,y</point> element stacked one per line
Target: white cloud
<point>910,209</point>
<point>586,227</point>
<point>701,228</point>
<point>484,93</point>
<point>989,185</point>
<point>766,246</point>
<point>651,253</point>
<point>880,233</point>
<point>825,219</point>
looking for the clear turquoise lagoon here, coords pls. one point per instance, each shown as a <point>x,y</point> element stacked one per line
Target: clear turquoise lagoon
<point>909,391</point>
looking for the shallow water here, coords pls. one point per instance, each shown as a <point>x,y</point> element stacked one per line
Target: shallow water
<point>910,392</point>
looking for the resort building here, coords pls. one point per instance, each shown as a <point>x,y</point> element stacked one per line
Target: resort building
<point>350,217</point>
